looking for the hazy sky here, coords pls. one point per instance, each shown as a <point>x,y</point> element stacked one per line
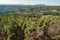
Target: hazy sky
<point>31,2</point>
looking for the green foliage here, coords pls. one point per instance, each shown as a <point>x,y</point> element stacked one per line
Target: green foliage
<point>56,37</point>
<point>27,22</point>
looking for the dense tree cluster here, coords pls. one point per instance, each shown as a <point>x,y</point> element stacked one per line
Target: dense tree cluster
<point>29,27</point>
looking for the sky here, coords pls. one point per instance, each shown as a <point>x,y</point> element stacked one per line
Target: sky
<point>31,2</point>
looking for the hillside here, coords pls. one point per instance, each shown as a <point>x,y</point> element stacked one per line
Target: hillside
<point>29,22</point>
<point>28,9</point>
<point>29,27</point>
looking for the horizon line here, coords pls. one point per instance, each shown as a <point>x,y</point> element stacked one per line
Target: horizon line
<point>31,4</point>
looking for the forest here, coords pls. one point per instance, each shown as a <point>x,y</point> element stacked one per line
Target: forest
<point>29,22</point>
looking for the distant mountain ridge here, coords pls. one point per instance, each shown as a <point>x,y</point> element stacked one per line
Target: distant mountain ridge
<point>41,5</point>
<point>22,5</point>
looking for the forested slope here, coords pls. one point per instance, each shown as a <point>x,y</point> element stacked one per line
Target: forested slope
<point>29,27</point>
